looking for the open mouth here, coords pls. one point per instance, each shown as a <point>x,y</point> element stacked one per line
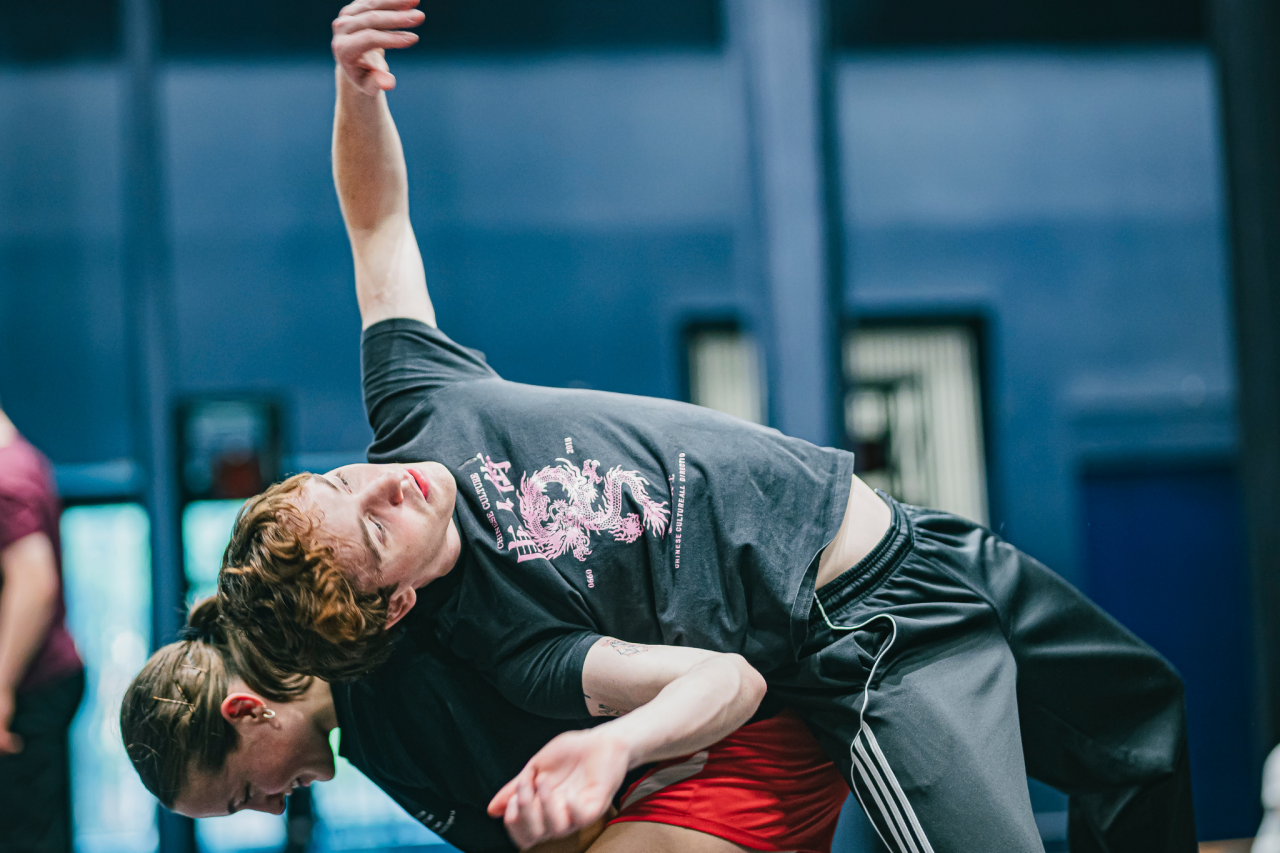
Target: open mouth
<point>423,485</point>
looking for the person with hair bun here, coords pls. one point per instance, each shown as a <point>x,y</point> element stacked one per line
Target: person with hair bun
<point>205,741</point>
<point>208,740</point>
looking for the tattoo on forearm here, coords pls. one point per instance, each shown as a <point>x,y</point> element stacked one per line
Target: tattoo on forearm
<point>625,649</point>
<point>601,709</point>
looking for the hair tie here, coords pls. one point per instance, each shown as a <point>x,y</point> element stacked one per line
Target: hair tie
<point>191,634</point>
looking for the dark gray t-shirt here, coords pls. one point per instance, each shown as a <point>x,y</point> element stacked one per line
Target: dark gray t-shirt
<point>438,738</point>
<point>587,513</point>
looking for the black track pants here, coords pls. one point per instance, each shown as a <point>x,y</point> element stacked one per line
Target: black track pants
<point>957,667</point>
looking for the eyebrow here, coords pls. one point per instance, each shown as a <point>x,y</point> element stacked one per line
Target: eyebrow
<point>368,543</point>
<point>364,526</point>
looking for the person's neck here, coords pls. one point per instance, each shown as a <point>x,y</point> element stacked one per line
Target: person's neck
<point>8,432</point>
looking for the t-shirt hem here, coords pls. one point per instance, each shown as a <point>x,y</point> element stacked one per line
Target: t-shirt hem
<point>576,660</point>
<point>393,324</point>
<point>802,600</point>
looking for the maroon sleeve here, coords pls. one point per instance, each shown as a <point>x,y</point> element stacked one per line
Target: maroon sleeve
<point>24,494</point>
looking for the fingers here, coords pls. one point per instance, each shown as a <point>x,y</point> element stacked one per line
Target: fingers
<point>557,818</point>
<point>366,28</point>
<point>537,812</point>
<point>377,20</point>
<point>498,805</point>
<point>524,820</point>
<point>366,5</point>
<point>348,48</point>
<point>540,809</point>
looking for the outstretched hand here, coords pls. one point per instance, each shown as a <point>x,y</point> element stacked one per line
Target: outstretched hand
<point>364,30</point>
<point>568,785</point>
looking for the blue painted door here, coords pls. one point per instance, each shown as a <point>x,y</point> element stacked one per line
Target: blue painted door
<point>1165,555</point>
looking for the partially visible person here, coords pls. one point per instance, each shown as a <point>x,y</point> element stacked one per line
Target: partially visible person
<point>441,742</point>
<point>41,677</point>
<point>1268,838</point>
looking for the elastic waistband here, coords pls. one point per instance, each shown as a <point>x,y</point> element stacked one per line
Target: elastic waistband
<point>871,570</point>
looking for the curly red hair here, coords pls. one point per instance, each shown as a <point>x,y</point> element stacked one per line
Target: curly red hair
<point>293,609</point>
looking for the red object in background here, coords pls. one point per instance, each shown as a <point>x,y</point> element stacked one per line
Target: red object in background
<point>237,475</point>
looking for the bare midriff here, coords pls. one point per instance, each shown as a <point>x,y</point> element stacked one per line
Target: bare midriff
<point>866,520</point>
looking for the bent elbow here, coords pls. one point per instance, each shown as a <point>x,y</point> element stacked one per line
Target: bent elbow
<point>751,684</point>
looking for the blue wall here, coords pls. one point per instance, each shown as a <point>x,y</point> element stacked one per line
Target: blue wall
<point>1073,202</point>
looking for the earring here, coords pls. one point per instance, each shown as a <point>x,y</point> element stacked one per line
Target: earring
<point>267,713</point>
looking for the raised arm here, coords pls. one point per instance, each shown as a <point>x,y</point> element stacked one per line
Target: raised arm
<point>368,163</point>
<point>668,701</point>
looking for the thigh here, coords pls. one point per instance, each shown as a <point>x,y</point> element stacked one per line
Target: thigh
<point>919,708</point>
<point>1099,707</point>
<point>768,786</point>
<point>645,837</point>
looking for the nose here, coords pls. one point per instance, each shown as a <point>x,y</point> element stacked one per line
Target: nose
<point>269,803</point>
<point>389,487</point>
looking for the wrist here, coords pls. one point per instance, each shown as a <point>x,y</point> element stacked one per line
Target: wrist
<point>620,742</point>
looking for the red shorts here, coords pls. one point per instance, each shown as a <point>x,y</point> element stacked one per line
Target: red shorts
<point>768,786</point>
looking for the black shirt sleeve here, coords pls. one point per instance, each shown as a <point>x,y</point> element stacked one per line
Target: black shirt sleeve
<point>545,677</point>
<point>403,361</point>
<point>520,631</point>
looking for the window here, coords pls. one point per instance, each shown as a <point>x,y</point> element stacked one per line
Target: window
<point>206,529</point>
<point>913,415</point>
<point>725,372</point>
<point>106,565</point>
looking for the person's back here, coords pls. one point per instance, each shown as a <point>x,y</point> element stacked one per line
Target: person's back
<point>41,679</point>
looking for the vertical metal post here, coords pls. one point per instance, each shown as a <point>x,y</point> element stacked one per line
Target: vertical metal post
<point>1247,36</point>
<point>149,314</point>
<point>785,56</point>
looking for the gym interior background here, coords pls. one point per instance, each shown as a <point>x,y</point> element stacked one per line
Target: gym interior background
<point>986,246</point>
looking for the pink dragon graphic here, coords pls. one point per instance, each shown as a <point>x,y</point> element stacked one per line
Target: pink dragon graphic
<point>566,523</point>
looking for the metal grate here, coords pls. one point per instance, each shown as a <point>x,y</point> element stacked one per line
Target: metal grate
<point>913,415</point>
<point>725,373</point>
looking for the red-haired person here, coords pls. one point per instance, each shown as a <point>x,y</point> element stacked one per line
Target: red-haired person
<point>41,678</point>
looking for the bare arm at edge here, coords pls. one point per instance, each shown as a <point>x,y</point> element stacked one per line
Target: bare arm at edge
<point>28,599</point>
<point>368,163</point>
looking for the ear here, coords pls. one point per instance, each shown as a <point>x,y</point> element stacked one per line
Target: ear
<point>241,706</point>
<point>402,601</point>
